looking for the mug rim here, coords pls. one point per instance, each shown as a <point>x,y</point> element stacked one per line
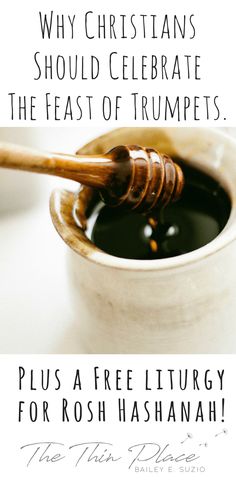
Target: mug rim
<point>92,253</point>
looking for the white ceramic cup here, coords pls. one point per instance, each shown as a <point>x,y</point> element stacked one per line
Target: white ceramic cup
<point>185,304</point>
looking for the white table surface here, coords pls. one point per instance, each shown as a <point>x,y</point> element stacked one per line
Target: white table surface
<point>35,312</point>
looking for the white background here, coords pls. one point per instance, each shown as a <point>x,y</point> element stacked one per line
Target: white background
<point>35,308</point>
<point>215,447</point>
<point>20,38</point>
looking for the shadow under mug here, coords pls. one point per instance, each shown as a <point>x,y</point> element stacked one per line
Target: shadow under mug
<point>184,304</point>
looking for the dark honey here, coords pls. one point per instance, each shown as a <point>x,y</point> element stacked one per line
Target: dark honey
<point>190,223</point>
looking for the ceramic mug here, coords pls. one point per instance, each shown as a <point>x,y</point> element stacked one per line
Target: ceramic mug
<point>183,304</point>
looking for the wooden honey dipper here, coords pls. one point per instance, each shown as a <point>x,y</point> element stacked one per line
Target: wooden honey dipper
<point>135,177</point>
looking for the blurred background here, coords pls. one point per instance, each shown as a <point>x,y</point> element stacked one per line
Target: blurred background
<point>35,313</point>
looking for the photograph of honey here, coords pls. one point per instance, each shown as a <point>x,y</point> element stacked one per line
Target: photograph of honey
<point>144,260</point>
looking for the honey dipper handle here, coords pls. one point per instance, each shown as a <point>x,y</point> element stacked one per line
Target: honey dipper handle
<point>94,171</point>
